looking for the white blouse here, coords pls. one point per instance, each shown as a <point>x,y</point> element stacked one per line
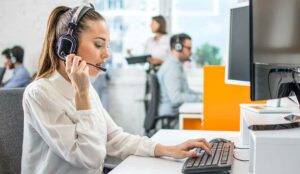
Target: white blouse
<point>160,49</point>
<point>59,139</point>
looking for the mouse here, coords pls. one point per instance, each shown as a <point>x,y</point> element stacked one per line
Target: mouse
<point>217,140</point>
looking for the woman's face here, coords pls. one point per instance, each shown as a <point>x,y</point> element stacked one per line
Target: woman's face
<point>154,26</point>
<point>93,44</point>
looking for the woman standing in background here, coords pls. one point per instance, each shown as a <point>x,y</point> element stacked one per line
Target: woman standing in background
<point>158,46</point>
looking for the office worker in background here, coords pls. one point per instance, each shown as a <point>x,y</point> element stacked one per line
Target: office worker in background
<point>174,89</point>
<point>66,128</point>
<point>14,60</point>
<point>158,45</point>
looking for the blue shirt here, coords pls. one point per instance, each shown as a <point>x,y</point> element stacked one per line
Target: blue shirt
<point>174,89</point>
<point>20,78</point>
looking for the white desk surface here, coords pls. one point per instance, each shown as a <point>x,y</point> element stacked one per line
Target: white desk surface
<point>151,165</point>
<point>191,108</point>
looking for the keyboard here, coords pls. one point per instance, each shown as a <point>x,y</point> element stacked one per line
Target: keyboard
<point>218,162</point>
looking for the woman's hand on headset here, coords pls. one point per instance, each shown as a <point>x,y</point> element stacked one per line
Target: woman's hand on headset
<point>78,72</point>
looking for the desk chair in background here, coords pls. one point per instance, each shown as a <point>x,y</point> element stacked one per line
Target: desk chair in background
<point>2,72</point>
<point>11,130</point>
<point>152,118</point>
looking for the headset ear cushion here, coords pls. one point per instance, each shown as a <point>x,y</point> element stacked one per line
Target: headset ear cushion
<point>178,46</point>
<point>13,59</point>
<point>66,44</point>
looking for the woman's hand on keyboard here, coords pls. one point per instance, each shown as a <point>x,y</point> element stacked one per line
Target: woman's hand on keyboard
<point>183,150</point>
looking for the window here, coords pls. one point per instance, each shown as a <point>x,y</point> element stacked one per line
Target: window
<point>129,23</point>
<point>206,21</point>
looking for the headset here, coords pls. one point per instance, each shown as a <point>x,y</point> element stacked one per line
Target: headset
<point>67,42</point>
<point>178,45</point>
<point>12,56</point>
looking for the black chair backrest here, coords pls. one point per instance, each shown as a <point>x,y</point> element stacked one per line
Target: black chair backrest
<point>152,112</point>
<point>11,130</point>
<point>2,72</point>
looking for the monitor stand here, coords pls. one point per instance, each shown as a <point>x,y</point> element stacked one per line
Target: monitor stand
<point>279,106</point>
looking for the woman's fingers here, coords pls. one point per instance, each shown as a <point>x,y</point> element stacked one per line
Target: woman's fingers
<point>75,63</point>
<point>82,65</point>
<point>204,141</point>
<point>86,69</point>
<point>203,146</point>
<point>69,60</point>
<point>195,143</point>
<point>189,154</point>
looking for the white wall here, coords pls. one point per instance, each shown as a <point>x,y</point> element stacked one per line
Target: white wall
<point>23,22</point>
<point>126,99</point>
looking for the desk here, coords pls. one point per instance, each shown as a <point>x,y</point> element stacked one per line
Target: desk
<point>151,165</point>
<point>263,144</point>
<point>191,116</point>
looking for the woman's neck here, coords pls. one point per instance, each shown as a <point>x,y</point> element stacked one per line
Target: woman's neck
<point>157,36</point>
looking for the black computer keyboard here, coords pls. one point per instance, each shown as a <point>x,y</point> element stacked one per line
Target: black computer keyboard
<point>219,161</point>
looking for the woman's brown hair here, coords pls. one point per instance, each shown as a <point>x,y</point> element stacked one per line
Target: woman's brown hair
<point>58,24</point>
<point>162,29</point>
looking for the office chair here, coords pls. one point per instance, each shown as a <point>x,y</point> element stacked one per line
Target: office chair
<point>11,130</point>
<point>2,72</point>
<point>152,117</point>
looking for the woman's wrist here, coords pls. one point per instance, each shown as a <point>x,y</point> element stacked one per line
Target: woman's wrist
<point>82,100</point>
<point>161,150</point>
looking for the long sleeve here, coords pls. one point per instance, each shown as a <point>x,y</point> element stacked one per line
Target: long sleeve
<point>122,144</point>
<point>20,78</point>
<point>71,135</point>
<point>177,88</point>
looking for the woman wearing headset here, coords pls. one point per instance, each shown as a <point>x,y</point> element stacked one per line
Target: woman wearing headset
<point>66,129</point>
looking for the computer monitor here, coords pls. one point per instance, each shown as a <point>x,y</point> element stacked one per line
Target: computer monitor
<point>274,49</point>
<point>237,69</point>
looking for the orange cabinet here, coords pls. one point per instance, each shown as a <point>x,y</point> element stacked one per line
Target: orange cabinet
<point>221,110</point>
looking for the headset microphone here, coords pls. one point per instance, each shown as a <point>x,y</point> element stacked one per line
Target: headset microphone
<point>99,66</point>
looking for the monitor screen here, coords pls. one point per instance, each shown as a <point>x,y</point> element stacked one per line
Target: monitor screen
<point>274,48</point>
<point>238,57</point>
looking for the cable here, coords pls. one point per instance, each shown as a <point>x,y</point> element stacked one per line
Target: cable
<point>269,84</point>
<point>235,147</point>
<point>242,160</point>
<point>277,87</point>
<point>292,100</point>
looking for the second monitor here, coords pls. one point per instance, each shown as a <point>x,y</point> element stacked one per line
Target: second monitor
<point>238,56</point>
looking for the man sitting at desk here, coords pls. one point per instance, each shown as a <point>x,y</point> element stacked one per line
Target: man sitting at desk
<point>14,60</point>
<point>174,89</point>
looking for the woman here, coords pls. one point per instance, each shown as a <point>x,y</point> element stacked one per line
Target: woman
<point>159,45</point>
<point>66,129</point>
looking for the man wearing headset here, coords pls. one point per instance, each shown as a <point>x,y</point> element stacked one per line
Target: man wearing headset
<point>14,60</point>
<point>174,89</point>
